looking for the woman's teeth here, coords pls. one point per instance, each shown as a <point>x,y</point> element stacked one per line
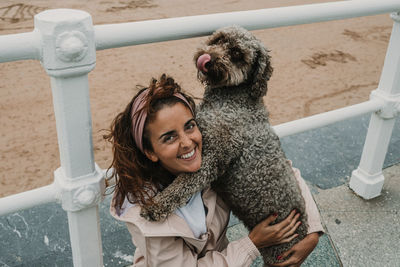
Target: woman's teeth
<point>188,155</point>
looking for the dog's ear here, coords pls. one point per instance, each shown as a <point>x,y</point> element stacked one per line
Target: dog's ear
<point>262,71</point>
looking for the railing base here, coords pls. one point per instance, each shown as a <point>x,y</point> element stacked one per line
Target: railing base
<point>366,185</point>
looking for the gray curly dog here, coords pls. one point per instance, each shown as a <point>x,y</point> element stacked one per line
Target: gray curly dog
<point>242,157</point>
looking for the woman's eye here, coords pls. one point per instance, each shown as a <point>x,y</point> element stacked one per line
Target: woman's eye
<point>168,138</point>
<point>191,126</point>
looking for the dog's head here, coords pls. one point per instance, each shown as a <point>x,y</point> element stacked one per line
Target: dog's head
<point>232,56</point>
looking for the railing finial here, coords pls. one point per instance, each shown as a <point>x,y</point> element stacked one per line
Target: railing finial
<point>68,45</point>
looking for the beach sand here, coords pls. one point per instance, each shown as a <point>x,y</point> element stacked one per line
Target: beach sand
<point>317,68</point>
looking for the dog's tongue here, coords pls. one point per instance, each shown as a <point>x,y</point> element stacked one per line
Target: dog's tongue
<point>202,61</point>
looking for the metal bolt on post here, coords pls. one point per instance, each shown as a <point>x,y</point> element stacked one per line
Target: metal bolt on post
<point>68,54</point>
<point>367,180</point>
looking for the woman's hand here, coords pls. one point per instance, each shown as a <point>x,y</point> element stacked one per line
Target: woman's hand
<point>265,235</point>
<point>299,252</point>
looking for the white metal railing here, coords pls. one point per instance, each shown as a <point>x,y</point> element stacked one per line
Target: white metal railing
<point>65,41</point>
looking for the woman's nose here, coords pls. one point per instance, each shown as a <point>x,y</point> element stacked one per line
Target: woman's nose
<point>186,141</point>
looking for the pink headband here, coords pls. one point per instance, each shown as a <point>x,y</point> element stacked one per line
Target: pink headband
<point>139,115</point>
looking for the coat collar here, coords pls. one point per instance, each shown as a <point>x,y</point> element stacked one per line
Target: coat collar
<point>173,225</point>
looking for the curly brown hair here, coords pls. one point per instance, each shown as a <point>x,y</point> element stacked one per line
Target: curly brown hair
<point>138,178</point>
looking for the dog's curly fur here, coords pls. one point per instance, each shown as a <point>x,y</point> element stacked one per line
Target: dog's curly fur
<point>242,156</point>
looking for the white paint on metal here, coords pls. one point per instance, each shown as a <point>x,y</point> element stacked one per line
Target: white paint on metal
<point>134,33</point>
<point>28,199</point>
<point>395,16</point>
<point>367,180</point>
<point>27,46</point>
<point>21,46</point>
<point>73,122</point>
<point>68,55</point>
<point>67,41</point>
<point>326,118</point>
<point>80,192</point>
<point>84,229</point>
<point>391,104</point>
<point>71,46</point>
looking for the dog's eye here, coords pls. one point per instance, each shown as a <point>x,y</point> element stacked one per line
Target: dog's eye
<point>236,54</point>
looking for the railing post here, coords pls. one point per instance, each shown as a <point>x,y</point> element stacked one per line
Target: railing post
<point>68,54</point>
<point>367,180</point>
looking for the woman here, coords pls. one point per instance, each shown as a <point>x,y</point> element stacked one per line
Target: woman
<point>156,138</point>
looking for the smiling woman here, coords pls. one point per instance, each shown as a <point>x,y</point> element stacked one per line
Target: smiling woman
<point>154,139</point>
<point>175,139</point>
<point>151,139</point>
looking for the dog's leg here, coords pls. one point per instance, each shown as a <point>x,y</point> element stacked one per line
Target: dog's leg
<point>179,192</point>
<point>215,161</point>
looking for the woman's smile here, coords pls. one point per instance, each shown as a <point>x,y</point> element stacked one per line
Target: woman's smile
<point>189,156</point>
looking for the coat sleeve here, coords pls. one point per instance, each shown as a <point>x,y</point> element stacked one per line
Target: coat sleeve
<point>173,251</point>
<point>241,252</point>
<point>314,220</point>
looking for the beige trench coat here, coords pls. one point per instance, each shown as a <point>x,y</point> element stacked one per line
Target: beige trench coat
<point>172,243</point>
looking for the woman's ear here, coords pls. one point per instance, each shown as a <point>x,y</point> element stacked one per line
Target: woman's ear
<point>151,155</point>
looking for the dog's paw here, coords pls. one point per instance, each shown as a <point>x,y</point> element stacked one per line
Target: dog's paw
<point>152,213</point>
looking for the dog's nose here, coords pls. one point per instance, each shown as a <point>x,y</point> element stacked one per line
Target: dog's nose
<point>202,61</point>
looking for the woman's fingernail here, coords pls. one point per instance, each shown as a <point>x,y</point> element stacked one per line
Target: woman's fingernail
<point>279,258</point>
<point>275,214</point>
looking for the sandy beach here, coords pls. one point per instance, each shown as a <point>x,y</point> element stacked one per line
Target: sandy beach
<point>317,68</point>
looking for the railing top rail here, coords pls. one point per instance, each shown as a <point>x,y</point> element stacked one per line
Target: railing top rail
<point>26,45</point>
<point>117,35</point>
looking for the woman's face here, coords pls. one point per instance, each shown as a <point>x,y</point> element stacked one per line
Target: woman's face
<point>175,139</point>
